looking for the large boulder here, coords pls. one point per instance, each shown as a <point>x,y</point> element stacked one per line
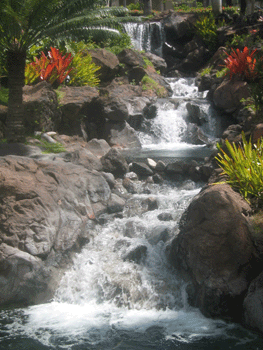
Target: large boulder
<point>214,251</point>
<point>229,93</point>
<point>74,105</point>
<point>48,211</point>
<point>121,135</point>
<point>41,110</point>
<point>253,305</point>
<point>108,63</point>
<point>114,162</point>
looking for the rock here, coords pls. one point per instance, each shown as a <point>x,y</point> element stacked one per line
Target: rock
<point>113,108</point>
<point>157,179</point>
<point>108,63</point>
<point>41,110</point>
<point>195,135</point>
<point>159,233</point>
<point>160,166</point>
<point>158,62</point>
<point>151,163</point>
<point>47,138</point>
<point>151,203</point>
<point>114,162</point>
<point>131,175</point>
<point>229,93</point>
<point>179,27</point>
<point>129,185</point>
<point>45,207</point>
<point>141,169</point>
<point>253,310</point>
<point>195,114</point>
<point>178,167</point>
<point>83,157</point>
<point>165,217</point>
<point>257,133</point>
<point>131,58</point>
<point>136,254</point>
<point>139,108</point>
<point>98,147</point>
<point>109,178</point>
<point>214,251</point>
<point>205,82</point>
<point>121,135</point>
<point>115,204</point>
<point>232,133</point>
<point>74,105</point>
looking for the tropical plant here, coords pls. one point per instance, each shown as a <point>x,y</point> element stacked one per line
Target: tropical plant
<point>241,63</point>
<point>53,69</point>
<point>206,28</point>
<point>84,71</point>
<point>25,23</point>
<point>243,165</point>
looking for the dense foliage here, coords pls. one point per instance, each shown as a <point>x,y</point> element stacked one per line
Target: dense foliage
<point>244,166</point>
<point>28,22</point>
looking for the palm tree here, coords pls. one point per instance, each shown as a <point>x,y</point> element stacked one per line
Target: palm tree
<point>24,23</point>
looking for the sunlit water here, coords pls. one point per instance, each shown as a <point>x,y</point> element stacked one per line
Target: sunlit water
<point>107,300</point>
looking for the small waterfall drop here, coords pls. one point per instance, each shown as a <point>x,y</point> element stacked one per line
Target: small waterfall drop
<point>148,36</point>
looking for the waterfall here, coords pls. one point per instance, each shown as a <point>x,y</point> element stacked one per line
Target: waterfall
<point>146,36</point>
<point>121,292</point>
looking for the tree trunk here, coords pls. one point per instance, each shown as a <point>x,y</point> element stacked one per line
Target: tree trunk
<point>147,9</point>
<point>217,7</point>
<point>15,131</point>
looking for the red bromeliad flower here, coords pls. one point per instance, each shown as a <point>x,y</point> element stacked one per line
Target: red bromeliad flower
<point>53,68</point>
<point>241,63</point>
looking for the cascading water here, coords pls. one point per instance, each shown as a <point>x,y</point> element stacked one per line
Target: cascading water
<point>121,293</point>
<point>146,36</point>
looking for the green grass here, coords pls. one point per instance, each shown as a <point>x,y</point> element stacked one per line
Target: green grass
<point>52,147</point>
<point>3,96</point>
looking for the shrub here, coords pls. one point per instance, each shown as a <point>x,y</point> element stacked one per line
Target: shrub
<point>206,28</point>
<point>3,96</point>
<point>84,71</point>
<point>244,167</point>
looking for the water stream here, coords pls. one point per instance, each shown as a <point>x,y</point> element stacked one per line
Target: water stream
<point>121,292</point>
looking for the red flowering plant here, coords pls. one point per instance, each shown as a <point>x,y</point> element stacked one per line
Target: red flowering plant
<point>241,63</point>
<point>53,68</point>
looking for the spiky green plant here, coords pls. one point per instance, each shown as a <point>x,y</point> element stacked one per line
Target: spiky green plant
<point>243,164</point>
<point>25,23</point>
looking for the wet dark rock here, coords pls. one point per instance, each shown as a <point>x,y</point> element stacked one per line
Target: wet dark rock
<point>214,251</point>
<point>121,135</point>
<point>136,254</point>
<point>141,169</point>
<point>157,179</point>
<point>108,63</point>
<point>159,233</point>
<point>115,203</point>
<point>109,178</point>
<point>253,310</point>
<point>129,185</point>
<point>151,203</point>
<point>178,167</point>
<point>160,166</point>
<point>195,135</point>
<point>115,163</point>
<point>195,114</point>
<point>165,217</point>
